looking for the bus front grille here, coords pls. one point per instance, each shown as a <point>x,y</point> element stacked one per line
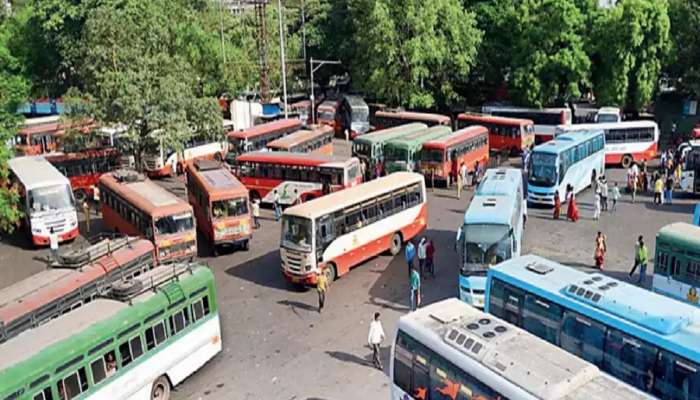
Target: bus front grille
<point>294,261</point>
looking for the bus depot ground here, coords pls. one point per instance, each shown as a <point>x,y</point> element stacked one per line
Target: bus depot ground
<point>276,344</point>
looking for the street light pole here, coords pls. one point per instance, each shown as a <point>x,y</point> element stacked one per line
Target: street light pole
<point>284,68</point>
<point>320,63</point>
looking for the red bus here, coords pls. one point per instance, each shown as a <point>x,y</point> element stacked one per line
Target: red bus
<point>327,114</point>
<point>295,176</point>
<point>510,134</point>
<point>545,119</point>
<point>75,279</point>
<point>83,169</point>
<point>390,119</point>
<point>441,158</point>
<point>41,135</point>
<point>301,110</point>
<point>134,205</point>
<point>317,140</point>
<point>220,204</point>
<point>255,138</point>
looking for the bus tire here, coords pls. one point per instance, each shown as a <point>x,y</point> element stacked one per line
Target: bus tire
<point>396,243</point>
<point>627,161</point>
<point>80,196</point>
<point>160,389</point>
<point>330,272</point>
<point>218,157</point>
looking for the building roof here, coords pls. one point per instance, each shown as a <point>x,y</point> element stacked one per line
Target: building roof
<point>338,200</point>
<point>35,171</point>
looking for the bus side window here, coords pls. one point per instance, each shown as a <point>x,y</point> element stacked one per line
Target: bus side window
<point>156,335</point>
<point>179,321</point>
<point>583,337</point>
<point>103,367</point>
<point>72,385</point>
<point>43,395</point>
<point>200,308</point>
<point>676,378</point>
<point>661,263</point>
<point>629,359</point>
<point>130,350</point>
<point>542,318</point>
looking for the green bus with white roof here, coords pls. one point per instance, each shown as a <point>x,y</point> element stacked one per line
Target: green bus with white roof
<point>677,262</point>
<point>404,153</point>
<point>368,148</point>
<point>137,341</point>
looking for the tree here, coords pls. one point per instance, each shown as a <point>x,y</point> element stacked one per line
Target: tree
<point>136,74</point>
<point>413,52</point>
<point>13,91</point>
<point>632,41</point>
<point>683,63</point>
<point>548,61</point>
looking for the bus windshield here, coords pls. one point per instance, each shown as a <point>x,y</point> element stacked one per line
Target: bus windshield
<point>326,115</point>
<point>396,154</point>
<point>360,115</point>
<point>486,244</point>
<point>296,232</point>
<point>55,197</point>
<point>432,155</point>
<point>174,224</point>
<point>543,170</point>
<point>363,149</point>
<point>229,208</point>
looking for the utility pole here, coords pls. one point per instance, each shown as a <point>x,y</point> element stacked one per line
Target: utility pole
<point>303,37</point>
<point>260,6</point>
<point>320,63</point>
<point>221,28</point>
<point>282,61</point>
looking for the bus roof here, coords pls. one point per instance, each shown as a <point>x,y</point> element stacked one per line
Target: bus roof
<point>146,195</point>
<point>642,123</point>
<point>293,139</point>
<point>416,139</point>
<point>564,142</point>
<point>663,321</point>
<point>328,105</point>
<point>216,179</point>
<point>415,116</point>
<point>339,200</point>
<point>491,210</point>
<point>500,182</point>
<point>284,157</point>
<point>356,102</point>
<point>493,119</point>
<point>257,130</point>
<point>36,171</point>
<point>457,137</point>
<point>488,109</point>
<point>681,233</point>
<point>471,340</point>
<point>384,135</point>
<point>81,155</point>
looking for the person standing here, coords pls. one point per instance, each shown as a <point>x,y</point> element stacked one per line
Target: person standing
<point>53,244</point>
<point>645,174</point>
<point>476,177</point>
<point>633,187</point>
<point>615,196</point>
<point>601,249</point>
<point>321,288</point>
<point>641,257</point>
<point>463,173</point>
<point>256,213</point>
<point>658,188</point>
<point>604,192</point>
<point>422,256</point>
<point>415,289</point>
<point>276,204</point>
<point>86,211</point>
<point>375,339</point>
<point>409,253</point>
<point>596,211</point>
<point>668,193</point>
<point>524,206</point>
<point>430,260</point>
<point>460,182</point>
<point>572,209</point>
<point>557,205</point>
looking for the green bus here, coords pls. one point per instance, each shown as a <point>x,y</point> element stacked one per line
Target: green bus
<point>404,153</point>
<point>677,262</point>
<point>368,148</point>
<point>143,337</point>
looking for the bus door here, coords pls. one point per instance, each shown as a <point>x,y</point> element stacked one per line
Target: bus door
<point>513,300</point>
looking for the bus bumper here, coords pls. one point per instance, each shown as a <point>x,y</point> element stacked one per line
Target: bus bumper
<point>160,172</point>
<point>471,291</point>
<point>232,241</point>
<point>306,279</point>
<point>39,240</point>
<point>540,198</point>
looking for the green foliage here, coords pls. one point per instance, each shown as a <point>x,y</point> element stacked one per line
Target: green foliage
<point>413,52</point>
<point>631,42</point>
<point>684,60</point>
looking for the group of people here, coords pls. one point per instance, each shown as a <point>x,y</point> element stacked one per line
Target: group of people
<point>426,265</point>
<point>662,181</point>
<point>572,208</point>
<point>462,176</point>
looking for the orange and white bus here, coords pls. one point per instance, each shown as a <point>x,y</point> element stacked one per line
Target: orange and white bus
<point>42,135</point>
<point>295,177</point>
<point>390,119</point>
<point>318,140</point>
<point>512,134</point>
<point>545,119</point>
<point>332,234</point>
<point>136,206</point>
<point>441,158</point>
<point>256,137</point>
<point>220,204</point>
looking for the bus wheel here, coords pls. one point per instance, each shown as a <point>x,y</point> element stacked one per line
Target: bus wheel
<point>395,244</point>
<point>330,273</point>
<point>627,161</point>
<point>161,389</point>
<point>80,196</point>
<point>218,157</point>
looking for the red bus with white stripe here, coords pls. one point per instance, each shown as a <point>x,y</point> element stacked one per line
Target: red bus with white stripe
<point>296,177</point>
<point>332,234</point>
<point>84,169</point>
<point>78,277</point>
<point>134,205</point>
<point>625,141</point>
<point>41,135</point>
<point>390,119</point>
<point>545,119</point>
<point>511,134</point>
<point>317,140</point>
<point>441,158</point>
<point>257,137</point>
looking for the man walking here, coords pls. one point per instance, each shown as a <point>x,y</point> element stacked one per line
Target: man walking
<point>321,287</point>
<point>276,204</point>
<point>668,192</point>
<point>375,338</point>
<point>615,196</point>
<point>430,261</point>
<point>604,193</point>
<point>256,213</point>
<point>415,289</point>
<point>53,244</point>
<point>410,253</point>
<point>422,256</point>
<point>641,257</point>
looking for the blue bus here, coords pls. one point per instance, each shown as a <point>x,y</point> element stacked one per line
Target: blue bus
<point>696,215</point>
<point>645,339</point>
<point>492,230</point>
<point>575,158</point>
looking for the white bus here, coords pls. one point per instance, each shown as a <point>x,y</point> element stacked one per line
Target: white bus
<point>46,199</point>
<point>335,232</point>
<point>625,141</point>
<point>574,159</point>
<point>690,175</point>
<point>166,161</point>
<point>545,119</point>
<point>451,351</point>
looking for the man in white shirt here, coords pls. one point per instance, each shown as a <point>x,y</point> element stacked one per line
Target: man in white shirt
<point>53,244</point>
<point>422,246</point>
<point>375,338</point>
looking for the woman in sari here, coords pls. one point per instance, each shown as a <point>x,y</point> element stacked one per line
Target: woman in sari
<point>557,205</point>
<point>572,210</point>
<point>600,250</point>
